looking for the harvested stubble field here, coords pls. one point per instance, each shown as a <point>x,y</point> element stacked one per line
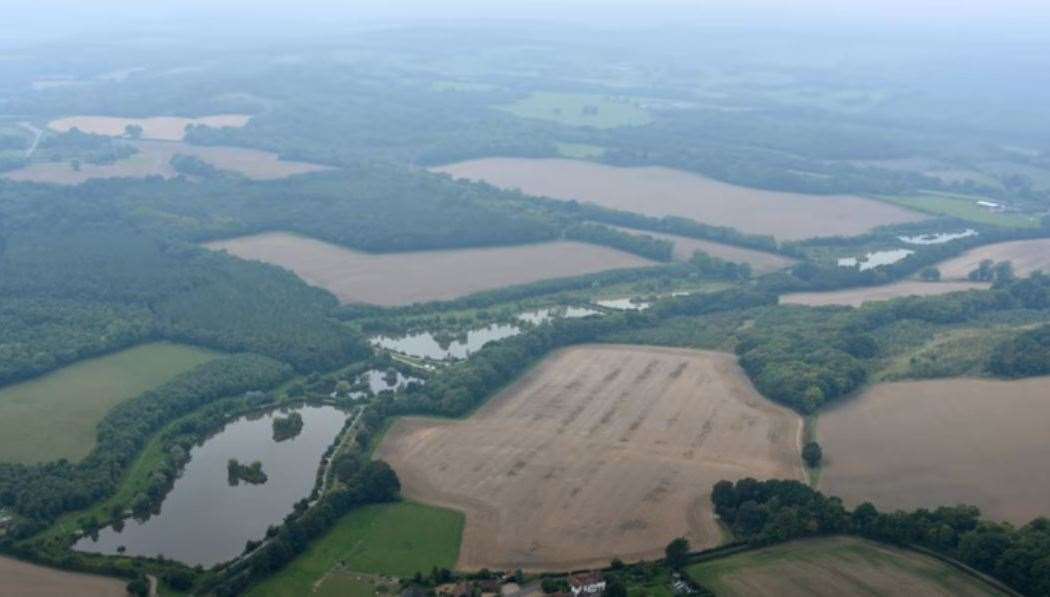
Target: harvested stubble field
<point>27,580</point>
<point>161,128</point>
<point>420,276</point>
<point>835,566</point>
<point>943,442</point>
<point>600,451</point>
<point>855,297</point>
<point>154,159</point>
<point>656,191</point>
<point>684,248</point>
<point>1025,255</point>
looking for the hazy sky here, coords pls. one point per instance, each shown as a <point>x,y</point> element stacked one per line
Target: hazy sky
<point>1031,15</point>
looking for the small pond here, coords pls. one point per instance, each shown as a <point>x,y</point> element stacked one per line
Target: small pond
<point>937,238</point>
<point>623,304</point>
<point>543,315</point>
<point>205,520</point>
<point>873,260</point>
<point>427,345</point>
<point>379,380</point>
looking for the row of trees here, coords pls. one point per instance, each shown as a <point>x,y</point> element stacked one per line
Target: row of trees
<point>767,512</point>
<point>639,244</point>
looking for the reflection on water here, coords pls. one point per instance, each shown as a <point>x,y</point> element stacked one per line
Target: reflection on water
<point>873,260</point>
<point>543,315</point>
<point>391,379</point>
<point>936,239</point>
<point>624,304</point>
<point>428,345</point>
<point>205,520</point>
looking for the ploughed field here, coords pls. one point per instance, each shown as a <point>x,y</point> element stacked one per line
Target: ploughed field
<point>154,159</point>
<point>600,451</point>
<point>761,262</point>
<point>656,191</point>
<point>55,415</point>
<point>855,297</point>
<point>421,276</point>
<point>929,443</point>
<point>161,128</point>
<point>834,566</point>
<point>1025,255</point>
<point>29,580</point>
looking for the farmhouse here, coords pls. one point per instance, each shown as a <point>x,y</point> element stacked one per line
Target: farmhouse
<point>588,583</point>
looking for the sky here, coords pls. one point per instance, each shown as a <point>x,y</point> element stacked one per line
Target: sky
<point>62,15</point>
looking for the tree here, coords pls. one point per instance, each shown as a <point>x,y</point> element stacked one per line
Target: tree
<point>812,454</point>
<point>614,587</point>
<point>930,274</point>
<point>983,273</point>
<point>133,131</point>
<point>1003,272</point>
<point>139,587</point>
<point>676,552</point>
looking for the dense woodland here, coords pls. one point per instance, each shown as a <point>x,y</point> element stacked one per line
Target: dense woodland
<point>767,512</point>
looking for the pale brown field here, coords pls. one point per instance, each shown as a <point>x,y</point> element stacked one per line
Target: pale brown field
<point>1026,256</point>
<point>161,128</point>
<point>666,192</point>
<point>684,247</point>
<point>942,442</point>
<point>836,566</point>
<point>855,297</point>
<point>405,278</point>
<point>27,580</point>
<point>154,159</point>
<point>598,452</point>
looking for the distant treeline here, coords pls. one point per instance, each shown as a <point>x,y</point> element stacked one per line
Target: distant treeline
<point>768,512</point>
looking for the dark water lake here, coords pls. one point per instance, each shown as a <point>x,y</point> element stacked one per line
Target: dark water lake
<point>204,520</point>
<point>425,344</point>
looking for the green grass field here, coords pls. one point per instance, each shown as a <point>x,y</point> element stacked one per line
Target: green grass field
<point>389,539</point>
<point>573,109</point>
<point>963,207</point>
<point>54,416</point>
<point>834,566</point>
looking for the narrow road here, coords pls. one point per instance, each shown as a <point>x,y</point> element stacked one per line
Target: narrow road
<point>36,140</point>
<point>347,437</point>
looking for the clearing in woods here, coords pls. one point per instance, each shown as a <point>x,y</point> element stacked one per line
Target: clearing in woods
<point>413,277</point>
<point>397,539</point>
<point>855,297</point>
<point>920,444</point>
<point>161,128</point>
<point>834,566</point>
<point>580,109</point>
<point>761,262</point>
<point>600,451</point>
<point>29,580</point>
<point>1026,256</point>
<point>55,416</point>
<point>154,159</point>
<point>657,192</point>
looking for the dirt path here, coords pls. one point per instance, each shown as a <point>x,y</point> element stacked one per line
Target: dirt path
<point>37,132</point>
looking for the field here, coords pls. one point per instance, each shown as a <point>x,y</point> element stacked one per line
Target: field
<point>161,128</point>
<point>928,443</point>
<point>405,278</point>
<point>154,157</point>
<point>855,297</point>
<point>684,247</point>
<point>28,580</point>
<point>54,416</point>
<point>599,451</point>
<point>656,191</point>
<point>835,566</point>
<point>963,207</point>
<point>387,539</point>
<point>1026,256</point>
<point>579,109</point>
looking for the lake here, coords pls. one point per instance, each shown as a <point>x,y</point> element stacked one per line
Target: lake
<point>205,520</point>
<point>873,260</point>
